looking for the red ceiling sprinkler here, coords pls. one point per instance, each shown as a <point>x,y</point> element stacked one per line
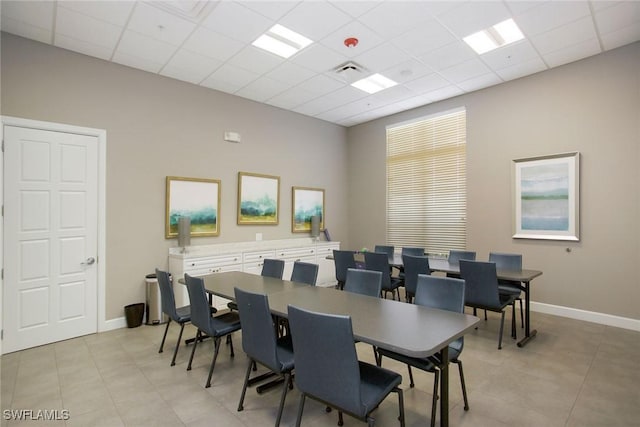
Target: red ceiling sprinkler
<point>351,42</point>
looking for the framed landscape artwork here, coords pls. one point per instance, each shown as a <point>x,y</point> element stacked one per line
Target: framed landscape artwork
<point>258,199</point>
<point>306,202</point>
<point>198,199</point>
<point>547,197</point>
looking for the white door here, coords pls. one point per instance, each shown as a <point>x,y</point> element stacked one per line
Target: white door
<point>50,240</point>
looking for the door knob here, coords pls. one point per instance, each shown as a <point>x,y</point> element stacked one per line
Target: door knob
<point>89,261</point>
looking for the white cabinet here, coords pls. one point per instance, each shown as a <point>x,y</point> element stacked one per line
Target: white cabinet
<point>327,268</point>
<point>291,255</point>
<point>201,266</point>
<point>252,262</point>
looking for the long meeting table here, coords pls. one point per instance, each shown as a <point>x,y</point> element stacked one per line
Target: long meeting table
<point>404,328</point>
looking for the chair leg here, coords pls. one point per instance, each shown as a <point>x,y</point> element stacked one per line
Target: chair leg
<point>300,409</point>
<point>340,420</point>
<point>513,321</point>
<point>216,343</point>
<point>193,350</point>
<point>462,383</point>
<point>521,314</point>
<point>371,422</point>
<point>164,337</point>
<point>244,387</point>
<point>501,330</point>
<point>175,351</point>
<point>434,401</point>
<point>287,380</point>
<point>411,383</point>
<point>485,315</point>
<point>400,405</point>
<point>231,344</point>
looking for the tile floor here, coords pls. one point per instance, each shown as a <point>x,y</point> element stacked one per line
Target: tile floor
<point>573,373</point>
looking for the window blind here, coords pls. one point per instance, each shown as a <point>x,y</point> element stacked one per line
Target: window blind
<point>426,183</point>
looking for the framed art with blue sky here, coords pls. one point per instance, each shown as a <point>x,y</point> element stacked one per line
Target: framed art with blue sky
<point>547,197</point>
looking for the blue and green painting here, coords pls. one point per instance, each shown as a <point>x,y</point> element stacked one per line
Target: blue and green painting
<point>544,197</point>
<point>307,203</point>
<point>197,200</point>
<point>259,203</point>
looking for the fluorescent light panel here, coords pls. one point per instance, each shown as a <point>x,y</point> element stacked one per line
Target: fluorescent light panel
<point>499,35</point>
<point>374,83</point>
<point>282,41</point>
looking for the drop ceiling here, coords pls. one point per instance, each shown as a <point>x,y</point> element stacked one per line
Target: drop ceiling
<point>417,44</point>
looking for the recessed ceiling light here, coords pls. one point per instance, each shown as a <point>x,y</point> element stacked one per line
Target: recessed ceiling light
<point>282,41</point>
<point>374,83</point>
<point>499,35</point>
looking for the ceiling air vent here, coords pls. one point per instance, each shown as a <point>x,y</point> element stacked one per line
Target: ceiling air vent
<point>350,72</point>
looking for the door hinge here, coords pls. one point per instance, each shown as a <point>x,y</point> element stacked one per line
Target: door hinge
<point>1,334</point>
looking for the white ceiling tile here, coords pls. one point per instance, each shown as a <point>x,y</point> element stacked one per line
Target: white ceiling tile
<point>145,47</point>
<point>522,69</point>
<point>237,77</point>
<point>315,19</point>
<point>330,101</point>
<point>444,93</point>
<point>190,67</point>
<point>448,56</point>
<point>256,60</point>
<point>212,44</point>
<point>220,85</point>
<point>572,53</point>
<point>465,71</point>
<point>518,7</point>
<point>236,21</point>
<point>160,25</point>
<point>26,30</point>
<point>407,71</point>
<point>480,82</point>
<point>113,12</point>
<point>320,84</point>
<point>136,62</point>
<point>292,98</point>
<point>271,9</point>
<point>83,47</point>
<point>413,102</point>
<point>36,13</point>
<point>550,15</point>
<point>355,8</point>
<point>424,38</point>
<point>390,19</point>
<point>427,83</point>
<point>367,39</point>
<point>619,16</point>
<point>565,36</point>
<point>262,89</point>
<point>621,37</point>
<point>381,57</point>
<point>470,17</point>
<point>90,30</point>
<point>290,73</point>
<point>318,58</point>
<point>509,55</point>
<point>392,94</point>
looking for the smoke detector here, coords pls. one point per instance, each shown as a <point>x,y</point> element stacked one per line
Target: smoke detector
<point>350,72</point>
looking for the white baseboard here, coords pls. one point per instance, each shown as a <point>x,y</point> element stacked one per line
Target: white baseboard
<point>112,324</point>
<point>589,316</point>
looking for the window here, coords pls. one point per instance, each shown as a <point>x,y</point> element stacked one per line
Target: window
<point>426,183</point>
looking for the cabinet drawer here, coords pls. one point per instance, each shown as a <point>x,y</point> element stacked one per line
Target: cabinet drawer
<point>296,253</point>
<point>323,251</point>
<point>252,257</point>
<point>211,262</point>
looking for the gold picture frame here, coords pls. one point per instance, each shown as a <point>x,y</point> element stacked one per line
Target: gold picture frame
<point>258,199</point>
<point>196,198</point>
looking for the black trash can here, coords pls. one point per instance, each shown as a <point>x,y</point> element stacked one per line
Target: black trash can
<point>134,314</point>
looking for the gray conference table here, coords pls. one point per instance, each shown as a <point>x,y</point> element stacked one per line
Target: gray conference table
<point>524,277</point>
<point>404,328</point>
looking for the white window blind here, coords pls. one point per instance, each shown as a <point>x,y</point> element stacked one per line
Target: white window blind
<point>426,183</point>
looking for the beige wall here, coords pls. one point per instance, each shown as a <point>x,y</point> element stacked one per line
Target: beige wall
<point>157,127</point>
<point>591,106</point>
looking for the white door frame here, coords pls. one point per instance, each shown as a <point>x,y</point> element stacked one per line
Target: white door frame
<point>101,135</point>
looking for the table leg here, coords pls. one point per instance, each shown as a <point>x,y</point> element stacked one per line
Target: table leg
<point>528,333</point>
<point>444,387</point>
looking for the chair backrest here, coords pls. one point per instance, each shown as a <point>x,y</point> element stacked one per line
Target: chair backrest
<point>413,251</point>
<point>364,282</point>
<point>272,268</point>
<point>166,295</point>
<point>443,293</point>
<point>258,331</point>
<point>414,265</point>
<point>325,355</point>
<point>200,308</point>
<point>389,250</point>
<point>481,283</point>
<point>455,256</point>
<point>343,260</point>
<point>304,272</point>
<point>506,261</point>
<point>379,261</point>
